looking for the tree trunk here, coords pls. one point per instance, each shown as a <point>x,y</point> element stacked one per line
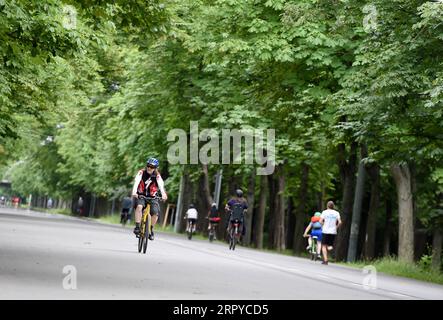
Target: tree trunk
<point>369,247</point>
<point>206,188</point>
<point>436,249</point>
<point>272,208</point>
<point>251,200</point>
<point>388,229</point>
<point>279,226</point>
<point>260,220</point>
<point>347,173</point>
<point>202,205</point>
<point>291,224</point>
<point>300,221</point>
<point>357,207</point>
<point>185,200</point>
<point>402,178</point>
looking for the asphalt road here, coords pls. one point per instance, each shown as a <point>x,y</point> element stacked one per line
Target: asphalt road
<point>44,256</point>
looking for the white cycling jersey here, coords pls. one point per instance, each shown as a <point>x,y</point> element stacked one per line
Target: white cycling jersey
<point>192,214</point>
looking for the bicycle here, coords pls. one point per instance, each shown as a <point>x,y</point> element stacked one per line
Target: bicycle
<point>213,222</point>
<point>145,224</point>
<point>313,249</point>
<point>234,233</point>
<point>191,228</point>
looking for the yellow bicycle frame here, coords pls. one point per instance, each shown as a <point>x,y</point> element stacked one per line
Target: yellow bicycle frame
<point>146,215</point>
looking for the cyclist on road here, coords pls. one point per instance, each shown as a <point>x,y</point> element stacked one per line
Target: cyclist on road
<point>330,219</point>
<point>237,207</point>
<point>2,201</point>
<point>213,215</point>
<point>148,183</point>
<point>316,226</point>
<point>191,215</point>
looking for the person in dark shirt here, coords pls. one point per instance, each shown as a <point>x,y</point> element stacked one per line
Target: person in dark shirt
<point>126,208</point>
<point>237,207</point>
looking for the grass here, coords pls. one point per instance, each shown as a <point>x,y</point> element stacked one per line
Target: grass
<point>112,218</point>
<point>392,266</point>
<point>66,212</point>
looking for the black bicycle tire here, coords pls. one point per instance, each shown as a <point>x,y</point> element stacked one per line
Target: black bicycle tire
<point>146,235</point>
<point>140,244</point>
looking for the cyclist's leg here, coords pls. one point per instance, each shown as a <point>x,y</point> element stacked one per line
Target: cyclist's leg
<point>138,214</point>
<point>228,228</point>
<point>309,242</point>
<point>155,212</point>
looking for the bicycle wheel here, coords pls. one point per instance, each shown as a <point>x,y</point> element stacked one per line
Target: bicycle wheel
<point>211,235</point>
<point>191,226</point>
<point>140,243</point>
<point>147,232</point>
<point>141,236</point>
<point>234,238</point>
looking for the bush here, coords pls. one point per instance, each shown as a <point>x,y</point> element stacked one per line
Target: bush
<point>425,262</point>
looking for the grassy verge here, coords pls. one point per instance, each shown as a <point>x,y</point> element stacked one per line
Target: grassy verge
<point>65,212</point>
<point>113,218</point>
<point>394,267</point>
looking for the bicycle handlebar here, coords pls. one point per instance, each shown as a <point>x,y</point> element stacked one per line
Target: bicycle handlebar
<point>149,198</point>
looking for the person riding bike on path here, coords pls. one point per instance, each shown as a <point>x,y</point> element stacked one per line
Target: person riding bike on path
<point>316,226</point>
<point>237,206</point>
<point>191,215</point>
<point>213,215</point>
<point>331,221</point>
<point>148,183</point>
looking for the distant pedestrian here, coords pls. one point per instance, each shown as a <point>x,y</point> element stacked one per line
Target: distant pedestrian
<point>331,221</point>
<point>49,204</point>
<point>126,208</point>
<point>80,204</point>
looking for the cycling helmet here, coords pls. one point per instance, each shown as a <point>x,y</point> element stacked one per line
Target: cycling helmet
<point>317,214</point>
<point>214,204</point>
<point>191,206</point>
<point>239,193</point>
<point>153,162</point>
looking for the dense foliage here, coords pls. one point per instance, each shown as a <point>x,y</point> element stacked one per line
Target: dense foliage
<point>83,104</point>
